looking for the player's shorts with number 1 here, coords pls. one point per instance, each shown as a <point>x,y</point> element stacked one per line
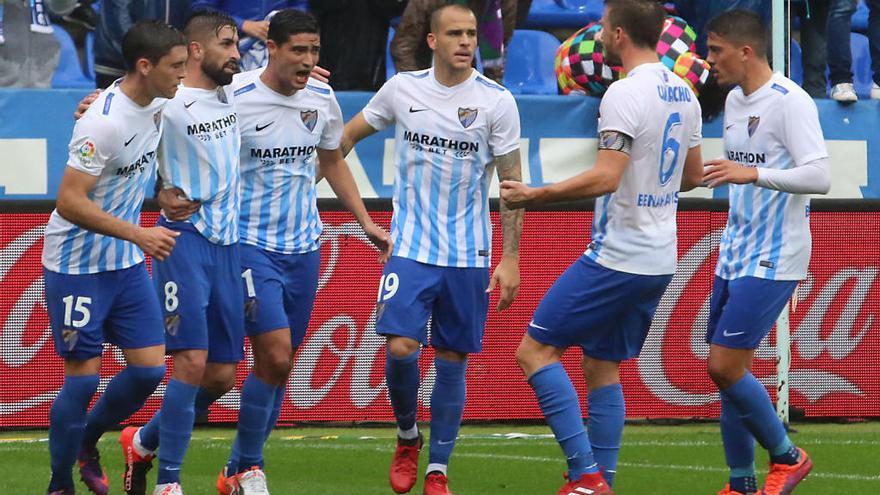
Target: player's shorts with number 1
<point>200,294</point>
<point>118,307</point>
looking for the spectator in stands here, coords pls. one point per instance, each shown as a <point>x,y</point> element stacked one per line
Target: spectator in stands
<point>115,19</point>
<point>874,39</point>
<point>698,12</point>
<point>346,24</point>
<point>76,12</point>
<point>409,48</point>
<point>825,39</point>
<point>28,50</point>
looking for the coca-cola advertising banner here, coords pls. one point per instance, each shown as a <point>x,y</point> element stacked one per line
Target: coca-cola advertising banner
<point>338,372</point>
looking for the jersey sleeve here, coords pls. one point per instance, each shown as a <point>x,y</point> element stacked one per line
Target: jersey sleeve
<point>619,110</point>
<point>93,144</point>
<point>803,135</point>
<point>505,127</point>
<point>379,112</point>
<point>332,134</point>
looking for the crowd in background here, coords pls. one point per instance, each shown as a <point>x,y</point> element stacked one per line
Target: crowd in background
<point>355,35</point>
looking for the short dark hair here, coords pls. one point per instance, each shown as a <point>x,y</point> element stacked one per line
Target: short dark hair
<point>288,22</point>
<point>207,21</point>
<point>742,27</point>
<point>150,39</point>
<point>435,15</point>
<point>641,20</point>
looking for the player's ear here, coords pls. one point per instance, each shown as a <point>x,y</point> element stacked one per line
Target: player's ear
<point>143,66</point>
<point>194,49</point>
<point>432,41</point>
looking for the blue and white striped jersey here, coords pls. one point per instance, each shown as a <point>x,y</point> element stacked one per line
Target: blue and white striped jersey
<point>634,228</point>
<point>446,139</point>
<point>116,142</point>
<point>768,231</point>
<point>280,136</point>
<point>199,154</point>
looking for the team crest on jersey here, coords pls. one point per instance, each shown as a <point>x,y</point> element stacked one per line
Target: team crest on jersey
<point>753,124</point>
<point>70,337</point>
<point>157,119</point>
<point>172,323</point>
<point>221,95</point>
<point>309,118</point>
<point>86,152</point>
<point>467,116</point>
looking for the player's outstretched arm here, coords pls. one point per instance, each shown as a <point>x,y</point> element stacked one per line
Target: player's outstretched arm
<point>693,169</point>
<point>74,205</point>
<point>509,167</point>
<point>355,129</point>
<point>602,179</point>
<point>339,177</point>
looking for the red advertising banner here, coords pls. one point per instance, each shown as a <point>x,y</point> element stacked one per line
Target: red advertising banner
<point>338,371</point>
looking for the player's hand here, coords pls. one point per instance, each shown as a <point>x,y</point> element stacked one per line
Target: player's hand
<point>320,74</point>
<point>85,103</point>
<point>175,206</point>
<point>719,172</point>
<point>156,241</point>
<point>381,240</point>
<point>256,29</point>
<point>515,194</point>
<point>507,275</point>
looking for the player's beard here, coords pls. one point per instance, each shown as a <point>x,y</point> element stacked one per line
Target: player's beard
<point>611,59</point>
<point>218,73</point>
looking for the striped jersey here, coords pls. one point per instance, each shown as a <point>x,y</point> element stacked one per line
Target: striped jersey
<point>199,154</point>
<point>768,231</point>
<point>280,136</point>
<point>445,141</point>
<point>634,228</point>
<point>115,141</point>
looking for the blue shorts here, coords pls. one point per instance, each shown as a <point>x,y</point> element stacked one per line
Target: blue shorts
<point>119,306</point>
<point>455,298</point>
<point>199,289</point>
<point>605,312</point>
<point>745,309</point>
<point>279,290</point>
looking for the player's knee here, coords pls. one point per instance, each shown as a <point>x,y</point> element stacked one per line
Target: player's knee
<point>147,378</point>
<point>276,367</point>
<point>722,373</point>
<point>400,347</point>
<point>527,359</point>
<point>189,367</point>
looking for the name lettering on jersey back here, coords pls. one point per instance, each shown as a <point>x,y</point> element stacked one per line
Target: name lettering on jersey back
<point>747,158</point>
<point>440,145</point>
<point>673,94</point>
<point>138,166</point>
<point>215,129</point>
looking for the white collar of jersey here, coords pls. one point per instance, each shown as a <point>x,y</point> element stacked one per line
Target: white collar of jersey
<point>638,68</point>
<point>450,89</point>
<point>774,79</point>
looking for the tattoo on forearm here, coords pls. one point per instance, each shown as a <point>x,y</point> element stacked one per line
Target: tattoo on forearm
<point>510,168</point>
<point>615,141</point>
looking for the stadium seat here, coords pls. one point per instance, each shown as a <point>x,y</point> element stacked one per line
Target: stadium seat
<point>530,64</point>
<point>389,62</point>
<point>69,73</point>
<point>564,13</point>
<point>90,55</point>
<point>796,70</point>
<point>860,18</point>
<point>861,64</point>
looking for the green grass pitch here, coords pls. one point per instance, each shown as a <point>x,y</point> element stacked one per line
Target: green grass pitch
<point>658,460</point>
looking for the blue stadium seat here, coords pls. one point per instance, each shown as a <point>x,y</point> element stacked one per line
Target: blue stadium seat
<point>796,70</point>
<point>69,73</point>
<point>860,18</point>
<point>564,13</point>
<point>530,63</point>
<point>90,55</point>
<point>861,64</point>
<point>389,62</point>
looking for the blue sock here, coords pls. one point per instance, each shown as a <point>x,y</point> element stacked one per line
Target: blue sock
<point>175,429</point>
<point>785,452</point>
<point>561,407</point>
<point>447,406</point>
<point>204,399</point>
<point>67,422</point>
<point>232,466</point>
<point>757,413</point>
<point>149,433</point>
<point>607,412</point>
<point>125,395</point>
<point>402,376</point>
<point>257,401</point>
<point>739,448</point>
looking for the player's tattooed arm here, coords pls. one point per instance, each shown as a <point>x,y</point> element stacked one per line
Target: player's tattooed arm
<point>506,274</point>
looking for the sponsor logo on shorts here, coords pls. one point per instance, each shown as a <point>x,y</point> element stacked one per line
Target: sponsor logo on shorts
<point>727,333</point>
